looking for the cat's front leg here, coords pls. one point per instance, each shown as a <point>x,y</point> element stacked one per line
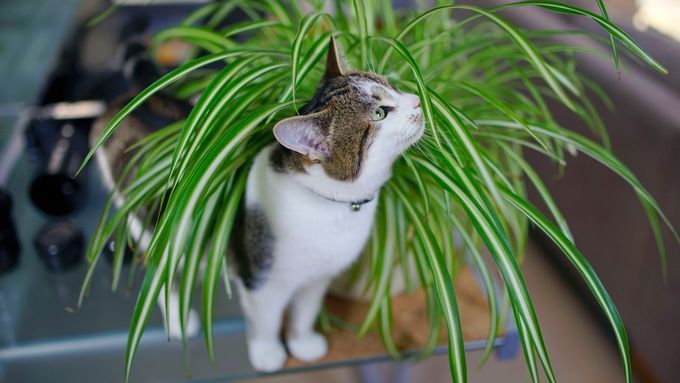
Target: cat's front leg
<point>171,316</point>
<point>303,342</point>
<point>263,308</point>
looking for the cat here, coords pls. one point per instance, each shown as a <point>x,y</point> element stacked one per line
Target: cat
<point>309,205</point>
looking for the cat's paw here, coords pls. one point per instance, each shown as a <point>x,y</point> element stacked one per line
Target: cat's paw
<point>192,328</point>
<point>266,356</point>
<point>308,347</point>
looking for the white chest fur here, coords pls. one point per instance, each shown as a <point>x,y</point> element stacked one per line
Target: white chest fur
<point>313,236</point>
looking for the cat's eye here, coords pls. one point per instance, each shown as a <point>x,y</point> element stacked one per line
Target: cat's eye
<point>379,113</point>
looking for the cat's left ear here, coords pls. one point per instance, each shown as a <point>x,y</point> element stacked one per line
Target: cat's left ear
<point>333,61</point>
<point>303,134</point>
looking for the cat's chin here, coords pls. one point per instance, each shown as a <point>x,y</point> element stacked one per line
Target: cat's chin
<point>414,137</point>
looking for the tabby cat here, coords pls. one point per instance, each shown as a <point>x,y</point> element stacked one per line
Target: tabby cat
<point>309,204</point>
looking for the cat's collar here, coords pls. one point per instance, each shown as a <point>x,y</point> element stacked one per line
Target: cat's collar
<point>353,205</point>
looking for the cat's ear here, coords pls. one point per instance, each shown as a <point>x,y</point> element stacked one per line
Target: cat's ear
<point>333,60</point>
<point>304,135</point>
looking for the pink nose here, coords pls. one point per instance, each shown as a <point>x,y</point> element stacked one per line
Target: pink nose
<point>414,100</point>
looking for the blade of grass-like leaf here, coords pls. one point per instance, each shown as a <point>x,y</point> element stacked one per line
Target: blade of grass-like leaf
<point>200,13</point>
<point>541,189</point>
<point>656,230</point>
<point>216,257</point>
<point>91,252</point>
<point>102,16</point>
<point>596,88</point>
<point>204,105</point>
<point>209,109</point>
<point>296,49</point>
<point>423,91</point>
<point>608,26</point>
<point>385,322</point>
<point>599,154</point>
<point>374,251</point>
<point>503,108</point>
<point>388,18</point>
<point>154,139</point>
<point>421,185</point>
<point>178,218</point>
<point>193,259</point>
<point>503,258</point>
<point>519,141</point>
<point>162,83</point>
<point>529,50</point>
<point>278,9</point>
<point>250,26</point>
<point>118,254</point>
<point>222,10</point>
<point>201,37</point>
<point>313,56</point>
<point>584,269</point>
<point>192,154</point>
<point>200,238</point>
<point>135,194</point>
<point>149,182</point>
<point>384,266</point>
<point>527,349</point>
<point>462,134</point>
<point>403,247</point>
<point>444,288</point>
<point>362,24</point>
<point>153,281</point>
<point>489,288</point>
<point>435,322</point>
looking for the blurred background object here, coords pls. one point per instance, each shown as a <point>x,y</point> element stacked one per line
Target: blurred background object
<point>9,243</point>
<point>49,57</point>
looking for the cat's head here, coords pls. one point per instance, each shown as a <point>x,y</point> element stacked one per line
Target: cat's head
<point>356,125</point>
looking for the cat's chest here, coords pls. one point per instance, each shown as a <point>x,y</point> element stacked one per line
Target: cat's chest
<point>317,222</point>
<point>308,230</point>
<point>325,239</point>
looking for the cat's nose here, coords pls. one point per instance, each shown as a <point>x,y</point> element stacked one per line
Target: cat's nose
<point>414,100</point>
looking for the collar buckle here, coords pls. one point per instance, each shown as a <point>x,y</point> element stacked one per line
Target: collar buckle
<point>356,205</point>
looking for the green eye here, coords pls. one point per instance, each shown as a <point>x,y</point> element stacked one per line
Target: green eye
<point>378,114</point>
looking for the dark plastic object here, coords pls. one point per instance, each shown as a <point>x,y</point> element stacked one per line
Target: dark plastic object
<point>60,245</point>
<point>9,243</point>
<point>59,147</point>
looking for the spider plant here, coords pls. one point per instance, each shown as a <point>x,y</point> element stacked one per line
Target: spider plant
<point>484,85</point>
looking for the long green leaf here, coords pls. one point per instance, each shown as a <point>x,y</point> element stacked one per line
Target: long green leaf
<point>159,85</point>
<point>445,292</point>
<point>584,269</point>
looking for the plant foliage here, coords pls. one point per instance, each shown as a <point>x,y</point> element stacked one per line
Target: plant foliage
<point>484,85</point>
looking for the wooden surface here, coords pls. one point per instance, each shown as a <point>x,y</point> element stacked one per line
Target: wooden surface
<point>410,322</point>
